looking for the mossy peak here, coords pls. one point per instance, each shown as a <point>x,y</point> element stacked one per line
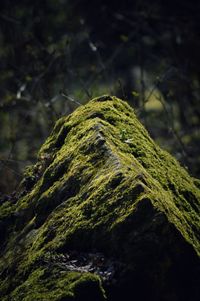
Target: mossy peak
<point>100,183</point>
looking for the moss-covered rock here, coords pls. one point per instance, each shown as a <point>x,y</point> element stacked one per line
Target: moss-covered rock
<point>104,213</point>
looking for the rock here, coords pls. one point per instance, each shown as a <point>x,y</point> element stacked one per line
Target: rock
<point>105,213</point>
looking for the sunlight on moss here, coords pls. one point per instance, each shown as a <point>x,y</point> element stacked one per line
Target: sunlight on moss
<point>96,173</point>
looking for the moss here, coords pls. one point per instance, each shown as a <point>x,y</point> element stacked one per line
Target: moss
<point>100,183</point>
<point>51,284</point>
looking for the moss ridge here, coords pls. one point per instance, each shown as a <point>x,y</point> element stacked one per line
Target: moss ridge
<point>99,175</point>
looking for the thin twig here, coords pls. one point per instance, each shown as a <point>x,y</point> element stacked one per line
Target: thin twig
<point>70,98</point>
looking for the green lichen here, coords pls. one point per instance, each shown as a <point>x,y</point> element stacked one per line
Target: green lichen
<point>100,183</point>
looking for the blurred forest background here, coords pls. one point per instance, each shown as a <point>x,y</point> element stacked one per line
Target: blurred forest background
<point>58,54</point>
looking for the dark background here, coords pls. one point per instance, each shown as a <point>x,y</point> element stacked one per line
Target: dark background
<point>56,54</point>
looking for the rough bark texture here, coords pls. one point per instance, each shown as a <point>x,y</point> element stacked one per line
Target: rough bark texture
<point>104,213</point>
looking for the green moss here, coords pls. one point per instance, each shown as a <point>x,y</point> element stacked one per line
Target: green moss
<point>100,182</point>
<point>51,284</point>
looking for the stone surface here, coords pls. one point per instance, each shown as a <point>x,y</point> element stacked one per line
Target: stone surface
<point>105,213</point>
